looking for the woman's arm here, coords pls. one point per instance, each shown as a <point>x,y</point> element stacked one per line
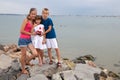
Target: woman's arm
<point>23,27</point>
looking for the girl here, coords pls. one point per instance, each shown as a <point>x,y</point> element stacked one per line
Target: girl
<point>25,39</point>
<point>38,40</point>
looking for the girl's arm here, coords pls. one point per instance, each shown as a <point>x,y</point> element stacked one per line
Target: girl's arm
<point>23,27</point>
<point>33,28</point>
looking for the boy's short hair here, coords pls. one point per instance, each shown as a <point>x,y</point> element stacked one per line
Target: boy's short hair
<point>45,9</point>
<point>38,17</point>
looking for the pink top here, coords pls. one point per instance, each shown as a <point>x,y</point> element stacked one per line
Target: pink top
<point>28,28</point>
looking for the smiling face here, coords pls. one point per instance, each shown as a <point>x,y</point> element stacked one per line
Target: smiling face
<point>33,14</point>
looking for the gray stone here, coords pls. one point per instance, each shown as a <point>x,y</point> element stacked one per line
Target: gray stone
<point>15,65</point>
<point>69,75</point>
<point>38,77</point>
<point>56,77</point>
<point>84,71</point>
<point>23,77</point>
<point>5,61</point>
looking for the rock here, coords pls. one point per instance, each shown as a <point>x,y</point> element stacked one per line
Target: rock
<point>5,61</point>
<point>117,65</point>
<point>103,75</point>
<point>96,76</point>
<point>6,48</point>
<point>70,64</point>
<point>1,47</point>
<point>114,75</point>
<point>15,65</point>
<point>11,48</point>
<point>85,72</point>
<point>56,77</point>
<point>1,52</point>
<point>83,59</point>
<point>69,75</point>
<point>23,77</point>
<point>38,77</point>
<point>15,55</point>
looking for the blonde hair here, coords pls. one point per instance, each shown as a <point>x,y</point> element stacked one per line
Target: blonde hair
<point>45,9</point>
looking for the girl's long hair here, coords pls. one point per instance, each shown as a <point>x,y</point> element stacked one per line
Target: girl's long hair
<point>28,16</point>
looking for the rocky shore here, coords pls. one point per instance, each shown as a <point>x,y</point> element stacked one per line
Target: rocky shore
<point>81,68</point>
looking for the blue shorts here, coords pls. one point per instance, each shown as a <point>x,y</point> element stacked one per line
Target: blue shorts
<point>24,42</point>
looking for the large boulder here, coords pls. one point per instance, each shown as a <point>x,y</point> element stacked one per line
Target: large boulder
<point>5,61</point>
<point>86,72</point>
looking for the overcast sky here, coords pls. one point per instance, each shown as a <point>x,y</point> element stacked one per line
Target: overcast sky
<point>63,7</point>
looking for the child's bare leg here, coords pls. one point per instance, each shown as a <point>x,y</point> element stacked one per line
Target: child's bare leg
<point>58,54</point>
<point>34,53</point>
<point>39,57</point>
<point>50,55</point>
<point>42,54</point>
<point>23,60</point>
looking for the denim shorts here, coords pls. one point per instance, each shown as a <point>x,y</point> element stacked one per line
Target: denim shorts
<point>24,42</point>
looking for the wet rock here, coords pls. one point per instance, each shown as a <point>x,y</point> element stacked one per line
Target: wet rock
<point>114,75</point>
<point>103,75</point>
<point>96,76</point>
<point>117,65</point>
<point>83,59</point>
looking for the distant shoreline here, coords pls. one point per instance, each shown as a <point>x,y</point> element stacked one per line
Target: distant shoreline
<point>66,15</point>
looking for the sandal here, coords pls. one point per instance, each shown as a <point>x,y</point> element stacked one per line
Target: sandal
<point>51,62</point>
<point>59,64</point>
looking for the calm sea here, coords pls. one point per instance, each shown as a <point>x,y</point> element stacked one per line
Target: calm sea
<point>77,35</point>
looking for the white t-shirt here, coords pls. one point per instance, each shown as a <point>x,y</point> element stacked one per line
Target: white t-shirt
<point>37,39</point>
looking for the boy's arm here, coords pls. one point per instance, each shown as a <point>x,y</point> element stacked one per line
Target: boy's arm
<point>49,29</point>
<point>44,37</point>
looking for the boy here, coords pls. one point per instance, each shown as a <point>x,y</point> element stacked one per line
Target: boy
<point>51,41</point>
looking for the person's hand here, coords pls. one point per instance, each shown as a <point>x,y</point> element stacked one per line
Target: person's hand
<point>33,33</point>
<point>44,41</point>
